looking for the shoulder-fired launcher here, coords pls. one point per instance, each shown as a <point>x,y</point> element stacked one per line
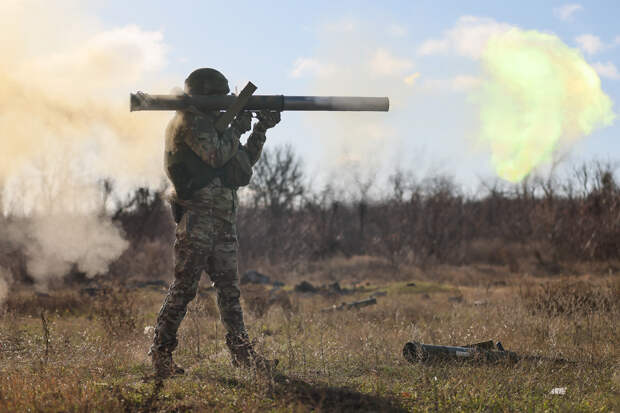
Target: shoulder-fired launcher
<point>245,101</point>
<point>144,101</point>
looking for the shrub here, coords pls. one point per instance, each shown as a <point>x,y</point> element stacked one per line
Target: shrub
<point>571,298</point>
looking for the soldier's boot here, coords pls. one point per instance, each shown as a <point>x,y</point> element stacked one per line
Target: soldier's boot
<point>164,366</point>
<point>244,356</point>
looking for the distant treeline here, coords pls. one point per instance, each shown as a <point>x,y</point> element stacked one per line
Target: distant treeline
<point>552,222</point>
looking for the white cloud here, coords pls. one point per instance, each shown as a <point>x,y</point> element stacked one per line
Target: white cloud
<point>434,46</point>
<point>344,25</point>
<point>566,11</point>
<point>381,62</point>
<point>590,43</point>
<point>397,30</point>
<point>467,38</point>
<point>307,66</point>
<point>386,64</point>
<point>608,70</point>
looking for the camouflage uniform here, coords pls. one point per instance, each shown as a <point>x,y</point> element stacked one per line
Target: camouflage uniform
<point>206,237</point>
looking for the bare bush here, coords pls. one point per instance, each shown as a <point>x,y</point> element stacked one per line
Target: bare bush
<point>117,311</point>
<point>543,225</point>
<point>258,300</point>
<point>549,222</point>
<point>571,298</point>
<point>275,191</point>
<point>61,302</point>
<point>278,180</point>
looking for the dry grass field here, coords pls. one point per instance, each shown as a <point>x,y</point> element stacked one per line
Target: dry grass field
<point>69,351</point>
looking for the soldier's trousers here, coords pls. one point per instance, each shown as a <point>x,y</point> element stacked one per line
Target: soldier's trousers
<point>203,243</point>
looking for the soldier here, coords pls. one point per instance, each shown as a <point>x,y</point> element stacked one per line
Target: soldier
<point>206,168</point>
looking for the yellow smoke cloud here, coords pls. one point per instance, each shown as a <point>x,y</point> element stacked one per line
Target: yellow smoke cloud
<point>537,96</point>
<point>61,94</point>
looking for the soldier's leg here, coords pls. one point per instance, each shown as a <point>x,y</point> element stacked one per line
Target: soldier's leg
<point>189,263</point>
<point>222,268</point>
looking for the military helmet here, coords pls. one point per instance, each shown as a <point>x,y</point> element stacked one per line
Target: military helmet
<point>206,81</point>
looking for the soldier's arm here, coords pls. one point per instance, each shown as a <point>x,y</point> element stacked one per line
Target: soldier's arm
<point>215,149</point>
<point>254,145</point>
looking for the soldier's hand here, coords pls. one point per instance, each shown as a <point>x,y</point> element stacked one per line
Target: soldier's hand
<point>243,122</point>
<point>267,119</point>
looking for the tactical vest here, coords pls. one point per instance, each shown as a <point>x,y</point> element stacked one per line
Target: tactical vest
<point>189,173</point>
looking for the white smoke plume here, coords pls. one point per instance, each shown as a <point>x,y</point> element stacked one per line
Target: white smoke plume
<point>65,123</point>
<point>56,243</point>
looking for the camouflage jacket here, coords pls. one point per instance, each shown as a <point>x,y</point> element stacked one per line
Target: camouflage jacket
<point>196,130</point>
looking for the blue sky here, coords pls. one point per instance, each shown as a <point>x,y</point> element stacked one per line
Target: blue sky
<point>286,47</point>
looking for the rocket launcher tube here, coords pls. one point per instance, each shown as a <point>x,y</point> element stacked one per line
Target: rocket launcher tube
<point>145,101</point>
<point>414,352</point>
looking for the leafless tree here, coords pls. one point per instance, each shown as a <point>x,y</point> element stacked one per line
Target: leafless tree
<point>278,180</point>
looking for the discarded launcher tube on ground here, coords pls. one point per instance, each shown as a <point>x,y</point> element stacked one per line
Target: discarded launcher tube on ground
<point>486,351</point>
<point>351,306</point>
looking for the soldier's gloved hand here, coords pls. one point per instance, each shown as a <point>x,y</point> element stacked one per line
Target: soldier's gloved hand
<point>267,119</point>
<point>243,122</point>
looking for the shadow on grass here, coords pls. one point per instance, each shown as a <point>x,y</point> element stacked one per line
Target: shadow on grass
<point>320,397</point>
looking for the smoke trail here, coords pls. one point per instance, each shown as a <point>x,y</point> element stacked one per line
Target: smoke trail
<point>65,123</point>
<point>538,95</point>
